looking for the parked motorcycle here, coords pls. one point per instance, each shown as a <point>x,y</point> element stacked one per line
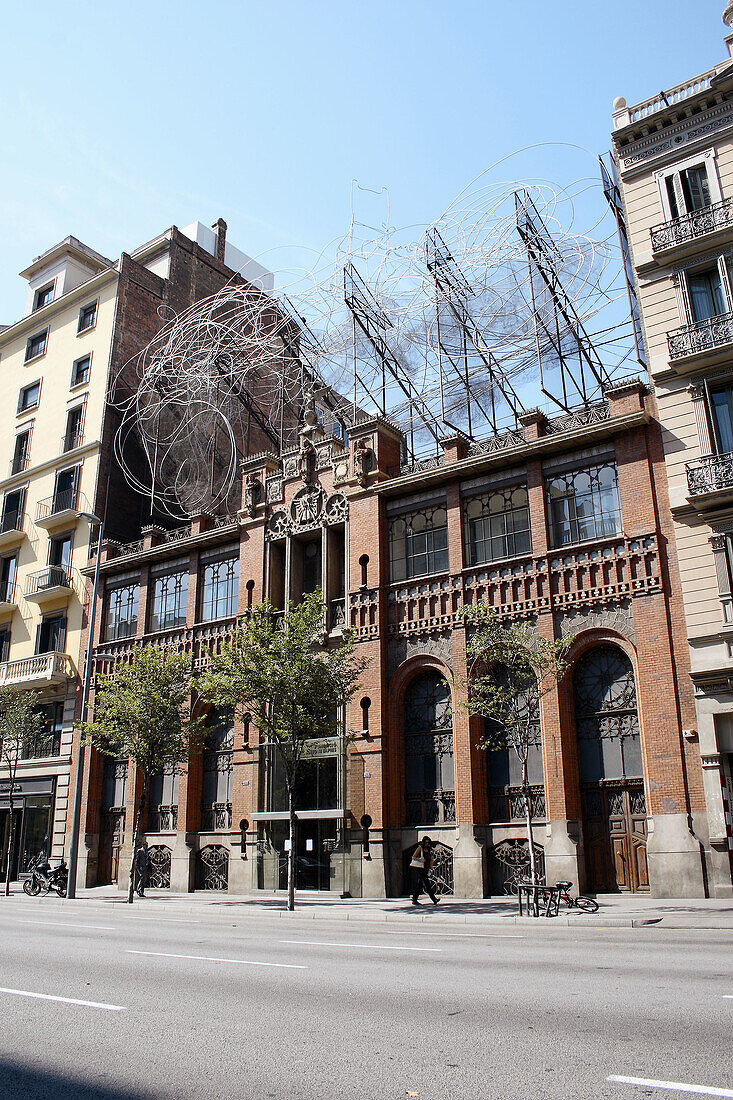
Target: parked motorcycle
<point>45,878</point>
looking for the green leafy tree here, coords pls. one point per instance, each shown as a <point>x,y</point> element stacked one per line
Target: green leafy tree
<point>21,722</point>
<point>275,669</point>
<point>511,669</point>
<point>141,713</point>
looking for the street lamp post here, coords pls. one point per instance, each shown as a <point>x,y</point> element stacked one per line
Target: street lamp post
<point>76,812</point>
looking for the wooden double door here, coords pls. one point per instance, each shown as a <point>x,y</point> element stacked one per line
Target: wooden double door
<point>614,836</point>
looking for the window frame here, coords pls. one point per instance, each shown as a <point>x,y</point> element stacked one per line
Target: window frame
<point>131,624</point>
<point>430,553</point>
<point>24,432</point>
<point>24,389</point>
<point>42,334</point>
<point>42,290</point>
<point>228,559</point>
<point>685,293</point>
<point>74,380</point>
<point>508,536</point>
<point>93,305</point>
<point>155,625</point>
<point>709,161</point>
<point>573,521</point>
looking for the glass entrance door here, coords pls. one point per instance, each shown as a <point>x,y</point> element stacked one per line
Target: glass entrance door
<point>315,843</point>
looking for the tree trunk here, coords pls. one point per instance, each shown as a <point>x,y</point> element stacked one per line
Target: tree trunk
<point>527,795</point>
<point>11,836</point>
<point>138,822</point>
<point>291,850</point>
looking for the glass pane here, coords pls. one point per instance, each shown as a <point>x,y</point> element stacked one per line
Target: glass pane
<point>723,422</point>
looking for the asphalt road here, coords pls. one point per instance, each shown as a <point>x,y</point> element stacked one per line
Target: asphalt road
<point>251,1009</point>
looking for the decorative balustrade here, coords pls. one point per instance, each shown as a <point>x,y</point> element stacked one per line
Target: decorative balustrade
<point>671,96</point>
<point>507,803</point>
<point>710,474</point>
<point>587,575</point>
<point>45,744</point>
<point>691,226</point>
<point>583,417</point>
<point>196,641</point>
<point>431,808</point>
<point>216,818</point>
<point>422,464</point>
<point>163,819</point>
<point>715,332</point>
<point>43,668</point>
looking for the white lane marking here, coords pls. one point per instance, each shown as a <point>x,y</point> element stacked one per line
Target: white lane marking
<point>458,935</point>
<point>370,946</point>
<point>63,924</point>
<point>214,959</point>
<point>63,1000</point>
<point>728,996</point>
<point>675,1086</point>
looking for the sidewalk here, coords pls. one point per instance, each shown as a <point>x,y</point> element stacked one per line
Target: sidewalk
<point>616,910</point>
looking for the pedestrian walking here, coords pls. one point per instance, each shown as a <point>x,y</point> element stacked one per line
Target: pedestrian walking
<point>142,866</point>
<point>422,861</point>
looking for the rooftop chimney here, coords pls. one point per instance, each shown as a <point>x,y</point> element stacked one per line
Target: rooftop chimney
<point>220,228</point>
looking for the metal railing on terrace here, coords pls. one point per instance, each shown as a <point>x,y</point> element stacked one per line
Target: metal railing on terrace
<point>710,474</point>
<point>11,520</point>
<point>689,227</point>
<point>71,440</point>
<point>714,332</point>
<point>53,576</point>
<point>64,501</point>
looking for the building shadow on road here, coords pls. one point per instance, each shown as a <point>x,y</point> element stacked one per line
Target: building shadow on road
<point>22,1082</point>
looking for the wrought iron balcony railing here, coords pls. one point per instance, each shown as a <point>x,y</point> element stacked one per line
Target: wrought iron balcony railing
<point>53,576</point>
<point>11,521</point>
<point>7,591</point>
<point>431,808</point>
<point>710,474</point>
<point>46,744</point>
<point>216,818</point>
<point>507,803</point>
<point>689,227</point>
<point>59,502</point>
<point>715,332</point>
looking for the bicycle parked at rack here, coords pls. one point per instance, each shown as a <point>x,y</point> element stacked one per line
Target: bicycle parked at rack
<point>586,905</point>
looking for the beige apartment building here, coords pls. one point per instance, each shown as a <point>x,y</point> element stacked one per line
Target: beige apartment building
<point>64,366</point>
<point>674,159</point>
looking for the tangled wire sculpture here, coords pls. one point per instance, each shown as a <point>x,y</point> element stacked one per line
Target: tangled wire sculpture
<point>452,327</point>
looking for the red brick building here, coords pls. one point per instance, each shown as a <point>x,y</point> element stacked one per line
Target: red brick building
<point>565,522</point>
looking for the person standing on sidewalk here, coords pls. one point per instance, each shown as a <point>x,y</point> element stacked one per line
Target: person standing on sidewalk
<point>142,866</point>
<point>422,861</point>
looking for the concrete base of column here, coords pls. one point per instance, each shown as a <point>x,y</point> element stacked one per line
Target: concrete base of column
<point>182,865</point>
<point>373,869</point>
<point>674,856</point>
<point>468,865</point>
<point>241,872</point>
<point>87,861</point>
<point>562,853</point>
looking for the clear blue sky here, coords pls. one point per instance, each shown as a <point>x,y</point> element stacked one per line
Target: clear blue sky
<point>120,120</point>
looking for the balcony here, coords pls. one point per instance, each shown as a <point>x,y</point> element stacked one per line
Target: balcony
<point>8,596</point>
<point>162,819</point>
<point>48,584</point>
<point>216,818</point>
<point>711,479</point>
<point>12,529</point>
<point>38,671</point>
<point>684,233</point>
<point>57,510</point>
<point>703,340</point>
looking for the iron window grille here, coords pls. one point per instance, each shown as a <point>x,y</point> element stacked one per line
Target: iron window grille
<point>120,620</point>
<point>48,741</point>
<point>429,776</point>
<point>496,525</point>
<point>584,504</point>
<point>220,594</point>
<point>36,345</point>
<point>21,453</point>
<point>418,543</point>
<point>170,601</point>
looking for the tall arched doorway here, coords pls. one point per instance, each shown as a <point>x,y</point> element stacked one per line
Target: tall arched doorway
<point>430,795</point>
<point>611,776</point>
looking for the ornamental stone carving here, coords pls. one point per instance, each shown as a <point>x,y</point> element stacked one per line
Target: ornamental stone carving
<point>307,461</point>
<point>252,494</point>
<point>307,507</point>
<point>404,646</point>
<point>278,525</point>
<point>618,617</point>
<point>337,509</point>
<point>274,490</point>
<point>363,461</point>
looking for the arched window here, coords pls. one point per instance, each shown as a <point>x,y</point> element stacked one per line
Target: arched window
<point>429,783</point>
<point>606,718</point>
